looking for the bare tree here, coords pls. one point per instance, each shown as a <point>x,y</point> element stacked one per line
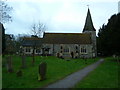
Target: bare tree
<point>37,31</point>
<point>5,12</point>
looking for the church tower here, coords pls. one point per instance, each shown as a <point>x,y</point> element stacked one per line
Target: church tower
<point>89,28</point>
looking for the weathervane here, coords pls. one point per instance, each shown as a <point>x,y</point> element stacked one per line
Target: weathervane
<point>88,6</point>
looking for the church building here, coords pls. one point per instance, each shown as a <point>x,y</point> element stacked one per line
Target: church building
<point>72,45</point>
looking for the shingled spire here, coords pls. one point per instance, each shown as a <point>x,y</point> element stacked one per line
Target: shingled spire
<point>88,23</point>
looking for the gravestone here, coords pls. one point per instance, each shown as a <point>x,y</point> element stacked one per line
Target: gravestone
<point>85,59</point>
<point>42,71</point>
<point>9,64</point>
<point>19,73</point>
<point>23,61</point>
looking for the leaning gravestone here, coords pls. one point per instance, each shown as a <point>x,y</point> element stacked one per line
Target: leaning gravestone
<point>19,73</point>
<point>42,71</point>
<point>23,61</point>
<point>85,60</point>
<point>9,64</point>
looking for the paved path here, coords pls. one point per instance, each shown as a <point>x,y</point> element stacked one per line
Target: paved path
<point>71,80</point>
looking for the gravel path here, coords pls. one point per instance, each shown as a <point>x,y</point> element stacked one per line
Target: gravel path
<point>71,80</point>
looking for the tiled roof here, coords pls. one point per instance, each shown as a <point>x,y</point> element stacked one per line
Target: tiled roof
<point>58,38</point>
<point>67,38</point>
<point>31,41</point>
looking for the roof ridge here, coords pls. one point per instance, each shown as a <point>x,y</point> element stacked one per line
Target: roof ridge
<point>66,33</point>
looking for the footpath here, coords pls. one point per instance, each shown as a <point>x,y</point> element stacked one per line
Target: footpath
<point>71,80</point>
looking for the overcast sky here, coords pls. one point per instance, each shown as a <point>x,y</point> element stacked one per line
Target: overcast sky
<point>66,16</point>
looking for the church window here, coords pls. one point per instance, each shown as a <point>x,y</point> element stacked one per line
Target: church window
<point>66,50</point>
<point>28,49</point>
<point>61,47</point>
<point>38,51</point>
<point>83,50</point>
<point>76,47</point>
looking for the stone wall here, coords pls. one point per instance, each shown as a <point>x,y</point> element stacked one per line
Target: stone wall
<point>64,50</point>
<point>93,37</point>
<point>56,49</point>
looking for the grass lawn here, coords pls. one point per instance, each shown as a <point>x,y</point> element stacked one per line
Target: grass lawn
<point>56,69</point>
<point>105,76</point>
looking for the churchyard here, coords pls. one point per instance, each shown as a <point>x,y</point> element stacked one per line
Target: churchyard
<point>19,72</point>
<point>22,71</point>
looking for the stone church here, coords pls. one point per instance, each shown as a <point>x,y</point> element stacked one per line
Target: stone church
<point>72,45</point>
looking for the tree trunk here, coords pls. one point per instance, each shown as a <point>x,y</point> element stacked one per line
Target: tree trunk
<point>23,61</point>
<point>9,64</point>
<point>33,61</point>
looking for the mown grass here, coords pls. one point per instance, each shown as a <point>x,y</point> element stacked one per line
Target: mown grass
<point>105,76</point>
<point>56,69</point>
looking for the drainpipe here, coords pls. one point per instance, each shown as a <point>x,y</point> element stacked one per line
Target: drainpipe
<point>53,49</point>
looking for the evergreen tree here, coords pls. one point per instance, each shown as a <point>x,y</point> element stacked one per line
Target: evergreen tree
<point>109,35</point>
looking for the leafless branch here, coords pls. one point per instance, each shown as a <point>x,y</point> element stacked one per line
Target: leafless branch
<point>38,29</point>
<point>5,12</point>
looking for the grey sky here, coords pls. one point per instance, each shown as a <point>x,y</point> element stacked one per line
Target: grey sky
<point>59,15</point>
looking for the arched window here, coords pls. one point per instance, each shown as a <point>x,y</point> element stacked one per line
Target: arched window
<point>28,49</point>
<point>76,47</point>
<point>61,47</point>
<point>66,50</point>
<point>38,51</point>
<point>83,50</point>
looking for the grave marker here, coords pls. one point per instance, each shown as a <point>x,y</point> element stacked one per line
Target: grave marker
<point>42,71</point>
<point>23,61</point>
<point>9,64</point>
<point>19,73</point>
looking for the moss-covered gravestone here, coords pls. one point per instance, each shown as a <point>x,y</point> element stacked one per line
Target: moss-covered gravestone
<point>19,73</point>
<point>42,71</point>
<point>9,64</point>
<point>85,59</point>
<point>23,61</point>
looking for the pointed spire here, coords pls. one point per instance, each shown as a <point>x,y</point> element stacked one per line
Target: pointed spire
<point>88,23</point>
